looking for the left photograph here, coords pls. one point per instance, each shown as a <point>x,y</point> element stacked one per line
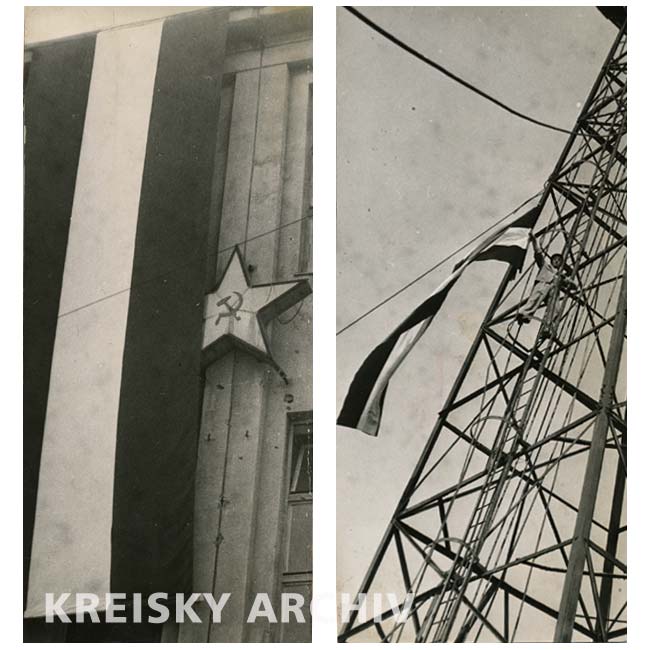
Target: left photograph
<point>167,454</point>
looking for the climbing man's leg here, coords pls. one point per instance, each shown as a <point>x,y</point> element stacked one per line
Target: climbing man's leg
<point>534,301</point>
<point>551,319</point>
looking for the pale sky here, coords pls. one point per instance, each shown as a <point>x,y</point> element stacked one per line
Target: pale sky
<point>423,166</point>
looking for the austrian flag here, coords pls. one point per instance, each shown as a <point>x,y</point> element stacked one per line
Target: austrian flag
<point>362,408</point>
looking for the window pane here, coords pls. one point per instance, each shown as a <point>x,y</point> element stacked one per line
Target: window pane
<point>300,537</point>
<point>301,461</point>
<point>293,632</point>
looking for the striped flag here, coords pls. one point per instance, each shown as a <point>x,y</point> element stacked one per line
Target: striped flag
<point>120,132</point>
<point>363,404</point>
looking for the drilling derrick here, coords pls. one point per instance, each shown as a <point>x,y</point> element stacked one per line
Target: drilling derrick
<point>512,525</point>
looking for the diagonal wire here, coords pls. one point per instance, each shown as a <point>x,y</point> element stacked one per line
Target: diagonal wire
<point>451,75</point>
<point>164,274</point>
<point>433,268</point>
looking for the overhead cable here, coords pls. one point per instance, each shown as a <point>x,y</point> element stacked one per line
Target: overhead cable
<point>393,39</point>
<point>433,268</point>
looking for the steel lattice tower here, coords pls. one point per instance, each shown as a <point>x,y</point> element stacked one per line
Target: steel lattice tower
<point>528,542</point>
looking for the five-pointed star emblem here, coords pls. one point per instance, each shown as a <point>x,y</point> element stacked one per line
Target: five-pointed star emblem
<point>236,312</point>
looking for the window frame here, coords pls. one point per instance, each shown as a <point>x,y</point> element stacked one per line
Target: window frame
<point>286,578</point>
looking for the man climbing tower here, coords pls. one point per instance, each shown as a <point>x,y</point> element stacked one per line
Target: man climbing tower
<point>549,272</point>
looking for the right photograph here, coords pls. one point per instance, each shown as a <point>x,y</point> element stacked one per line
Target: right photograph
<point>481,324</point>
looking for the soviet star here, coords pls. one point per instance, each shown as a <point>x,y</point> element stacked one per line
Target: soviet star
<point>237,312</point>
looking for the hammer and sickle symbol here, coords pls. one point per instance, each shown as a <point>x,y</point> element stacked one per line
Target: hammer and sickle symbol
<point>231,310</point>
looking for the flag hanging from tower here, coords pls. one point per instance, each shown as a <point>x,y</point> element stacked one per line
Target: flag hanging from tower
<point>363,404</point>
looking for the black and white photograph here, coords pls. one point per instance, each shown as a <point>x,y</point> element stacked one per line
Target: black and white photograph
<point>167,324</point>
<point>481,324</point>
<point>404,421</point>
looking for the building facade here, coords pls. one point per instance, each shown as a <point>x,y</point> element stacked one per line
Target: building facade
<point>253,498</point>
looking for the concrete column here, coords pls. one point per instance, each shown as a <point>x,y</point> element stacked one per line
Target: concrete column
<point>267,177</point>
<point>241,147</point>
<point>293,207</point>
<point>238,496</point>
<point>219,181</point>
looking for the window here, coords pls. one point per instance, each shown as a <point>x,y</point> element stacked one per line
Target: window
<point>297,540</point>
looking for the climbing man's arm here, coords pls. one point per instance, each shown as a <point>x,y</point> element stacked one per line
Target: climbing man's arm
<point>539,255</point>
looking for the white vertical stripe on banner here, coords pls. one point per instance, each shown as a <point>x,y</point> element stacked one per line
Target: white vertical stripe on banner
<point>514,237</point>
<point>71,550</point>
<point>371,416</point>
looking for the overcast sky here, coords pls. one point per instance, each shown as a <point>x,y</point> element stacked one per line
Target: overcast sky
<point>423,166</point>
